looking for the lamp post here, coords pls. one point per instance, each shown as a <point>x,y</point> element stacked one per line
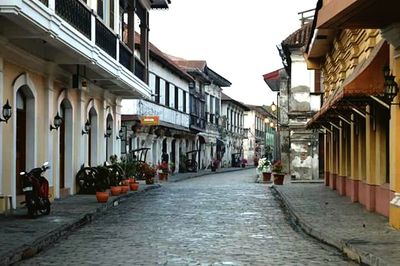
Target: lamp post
<point>274,108</point>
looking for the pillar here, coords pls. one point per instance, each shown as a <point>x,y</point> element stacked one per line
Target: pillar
<point>370,140</point>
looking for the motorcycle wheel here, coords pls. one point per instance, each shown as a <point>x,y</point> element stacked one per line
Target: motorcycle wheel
<point>46,207</point>
<point>31,212</point>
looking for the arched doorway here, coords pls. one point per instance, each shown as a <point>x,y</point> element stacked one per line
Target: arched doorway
<point>65,148</point>
<point>109,139</point>
<point>92,141</point>
<point>25,133</point>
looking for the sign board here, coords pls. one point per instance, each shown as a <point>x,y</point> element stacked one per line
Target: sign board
<point>150,120</point>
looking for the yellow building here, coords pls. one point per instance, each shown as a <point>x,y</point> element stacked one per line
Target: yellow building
<point>67,58</point>
<point>353,41</point>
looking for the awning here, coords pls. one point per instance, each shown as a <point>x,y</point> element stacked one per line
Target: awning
<point>367,79</point>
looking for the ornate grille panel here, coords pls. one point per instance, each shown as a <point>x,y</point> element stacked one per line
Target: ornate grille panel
<point>76,13</point>
<point>125,56</point>
<point>105,39</point>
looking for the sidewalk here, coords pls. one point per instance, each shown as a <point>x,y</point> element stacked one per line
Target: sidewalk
<point>364,236</point>
<point>21,237</point>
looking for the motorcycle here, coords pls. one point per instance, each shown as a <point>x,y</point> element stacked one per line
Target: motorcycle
<point>36,189</point>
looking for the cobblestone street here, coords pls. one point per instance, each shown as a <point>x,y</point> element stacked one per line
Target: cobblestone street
<point>223,219</point>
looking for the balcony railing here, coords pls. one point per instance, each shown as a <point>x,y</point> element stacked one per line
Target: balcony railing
<point>125,56</point>
<point>139,69</point>
<point>45,2</point>
<point>76,13</point>
<point>105,39</point>
<point>79,16</point>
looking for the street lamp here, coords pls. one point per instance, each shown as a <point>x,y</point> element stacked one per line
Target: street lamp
<point>273,107</point>
<point>266,120</point>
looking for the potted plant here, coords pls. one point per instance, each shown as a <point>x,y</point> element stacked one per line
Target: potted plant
<point>102,184</point>
<point>114,183</point>
<point>163,170</point>
<point>264,166</point>
<point>277,169</point>
<point>147,172</point>
<point>172,167</point>
<point>214,164</point>
<point>243,162</point>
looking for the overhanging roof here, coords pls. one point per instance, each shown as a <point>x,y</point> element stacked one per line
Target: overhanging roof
<point>358,14</point>
<point>273,79</point>
<point>366,80</point>
<point>160,4</point>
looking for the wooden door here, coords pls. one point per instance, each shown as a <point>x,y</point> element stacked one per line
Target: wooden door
<point>21,148</point>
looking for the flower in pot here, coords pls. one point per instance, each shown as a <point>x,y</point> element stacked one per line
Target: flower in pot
<point>214,164</point>
<point>277,169</point>
<point>264,166</point>
<point>147,172</point>
<point>243,162</point>
<point>102,184</point>
<point>115,183</point>
<point>163,170</point>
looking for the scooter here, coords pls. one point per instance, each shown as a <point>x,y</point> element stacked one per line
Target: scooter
<point>36,189</point>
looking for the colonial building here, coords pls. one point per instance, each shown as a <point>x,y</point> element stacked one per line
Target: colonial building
<point>233,132</point>
<point>257,122</point>
<point>205,113</point>
<point>355,45</point>
<point>299,100</point>
<point>65,59</point>
<point>169,105</point>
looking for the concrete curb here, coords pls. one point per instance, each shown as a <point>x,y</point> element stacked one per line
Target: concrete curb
<point>360,256</point>
<point>199,174</point>
<point>27,251</point>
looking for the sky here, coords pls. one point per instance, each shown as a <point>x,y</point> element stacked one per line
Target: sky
<point>237,38</point>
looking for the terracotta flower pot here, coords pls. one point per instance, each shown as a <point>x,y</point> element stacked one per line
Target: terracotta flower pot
<point>278,179</point>
<point>102,196</point>
<point>162,176</point>
<point>266,177</point>
<point>125,182</point>
<point>115,190</point>
<point>124,189</point>
<point>134,186</point>
<point>132,180</point>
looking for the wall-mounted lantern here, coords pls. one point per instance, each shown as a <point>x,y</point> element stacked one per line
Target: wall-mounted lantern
<point>120,134</point>
<point>87,128</point>
<point>57,122</point>
<point>390,86</point>
<point>7,112</point>
<point>108,132</point>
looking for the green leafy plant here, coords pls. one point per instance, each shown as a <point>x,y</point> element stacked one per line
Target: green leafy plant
<point>102,179</point>
<point>277,167</point>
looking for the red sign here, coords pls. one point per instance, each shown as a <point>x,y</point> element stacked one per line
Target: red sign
<point>150,120</point>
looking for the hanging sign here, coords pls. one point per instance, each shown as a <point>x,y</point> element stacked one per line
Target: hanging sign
<point>150,120</point>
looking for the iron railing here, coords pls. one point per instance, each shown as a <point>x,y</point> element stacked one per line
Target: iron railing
<point>139,69</point>
<point>125,56</point>
<point>76,13</point>
<point>45,2</point>
<point>105,39</point>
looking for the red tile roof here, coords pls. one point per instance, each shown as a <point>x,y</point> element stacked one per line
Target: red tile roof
<point>300,37</point>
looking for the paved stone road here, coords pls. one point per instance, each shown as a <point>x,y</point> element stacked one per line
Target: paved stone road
<point>223,219</point>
